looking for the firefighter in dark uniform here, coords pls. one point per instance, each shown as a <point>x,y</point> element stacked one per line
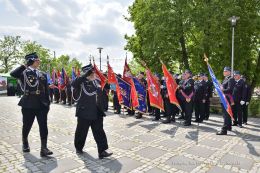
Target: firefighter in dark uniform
<point>179,95</point>
<point>187,94</point>
<point>69,92</point>
<point>168,106</point>
<point>248,99</point>
<point>56,92</point>
<point>200,98</point>
<point>89,112</point>
<point>239,96</point>
<point>63,95</point>
<point>35,102</point>
<point>209,91</point>
<point>105,96</point>
<point>227,88</point>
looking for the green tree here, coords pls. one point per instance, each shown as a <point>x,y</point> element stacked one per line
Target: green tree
<point>180,31</point>
<point>43,53</point>
<point>10,52</point>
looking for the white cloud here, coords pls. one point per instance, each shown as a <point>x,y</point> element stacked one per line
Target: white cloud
<point>71,27</point>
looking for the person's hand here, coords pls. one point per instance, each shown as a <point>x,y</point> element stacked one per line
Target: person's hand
<point>188,100</point>
<point>203,101</point>
<point>242,102</point>
<point>247,103</point>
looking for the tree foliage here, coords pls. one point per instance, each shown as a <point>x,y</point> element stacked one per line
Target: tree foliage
<point>13,50</point>
<point>10,52</point>
<point>179,32</point>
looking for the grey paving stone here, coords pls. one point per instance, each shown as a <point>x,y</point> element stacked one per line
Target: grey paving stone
<point>213,143</point>
<point>151,152</point>
<point>128,133</point>
<point>155,170</point>
<point>183,163</point>
<point>217,169</point>
<point>170,143</point>
<point>236,161</point>
<point>60,165</point>
<point>147,138</point>
<point>200,151</point>
<point>123,164</point>
<point>247,150</point>
<point>126,144</point>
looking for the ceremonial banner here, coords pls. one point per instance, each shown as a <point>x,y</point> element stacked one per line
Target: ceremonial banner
<point>154,91</point>
<point>171,86</point>
<point>73,74</point>
<point>222,97</point>
<point>141,93</point>
<point>128,77</point>
<point>63,79</point>
<point>100,76</point>
<point>111,77</point>
<point>124,92</point>
<point>49,80</point>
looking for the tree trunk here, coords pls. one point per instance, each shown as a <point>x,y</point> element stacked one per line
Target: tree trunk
<point>184,52</point>
<point>256,74</point>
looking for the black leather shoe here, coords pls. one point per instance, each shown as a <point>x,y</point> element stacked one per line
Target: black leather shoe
<point>156,119</point>
<point>167,121</point>
<point>45,152</point>
<point>138,116</point>
<point>181,117</point>
<point>222,132</point>
<point>239,126</point>
<point>104,154</point>
<point>26,147</point>
<point>79,151</point>
<point>186,124</point>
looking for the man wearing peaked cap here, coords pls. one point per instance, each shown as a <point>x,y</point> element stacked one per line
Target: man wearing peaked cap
<point>187,96</point>
<point>89,112</point>
<point>239,96</point>
<point>35,101</point>
<point>199,98</point>
<point>227,88</point>
<point>209,91</point>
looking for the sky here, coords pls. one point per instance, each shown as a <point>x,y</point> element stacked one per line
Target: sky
<point>73,27</point>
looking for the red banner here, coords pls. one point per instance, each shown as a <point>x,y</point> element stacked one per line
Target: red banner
<point>171,86</point>
<point>154,91</point>
<point>111,77</point>
<point>101,77</point>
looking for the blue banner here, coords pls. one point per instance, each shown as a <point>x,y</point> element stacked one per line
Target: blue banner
<point>222,97</point>
<point>125,91</point>
<point>141,92</point>
<point>49,80</point>
<point>73,74</point>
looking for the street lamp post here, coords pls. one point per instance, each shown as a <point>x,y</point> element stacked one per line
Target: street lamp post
<point>233,20</point>
<point>100,50</point>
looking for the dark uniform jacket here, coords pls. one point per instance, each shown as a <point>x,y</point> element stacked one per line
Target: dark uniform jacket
<point>240,91</point>
<point>209,89</point>
<point>200,93</point>
<point>89,105</point>
<point>34,97</point>
<point>228,86</point>
<point>187,87</point>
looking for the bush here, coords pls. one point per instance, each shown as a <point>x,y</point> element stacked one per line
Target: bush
<point>254,107</point>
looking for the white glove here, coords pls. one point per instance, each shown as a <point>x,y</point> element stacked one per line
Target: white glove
<point>247,103</point>
<point>242,102</point>
<point>162,87</point>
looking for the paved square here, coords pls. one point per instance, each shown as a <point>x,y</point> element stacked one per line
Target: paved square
<point>138,145</point>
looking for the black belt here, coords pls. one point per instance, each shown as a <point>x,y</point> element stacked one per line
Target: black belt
<point>37,92</point>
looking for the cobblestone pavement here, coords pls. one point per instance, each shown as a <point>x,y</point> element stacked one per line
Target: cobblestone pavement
<point>138,145</point>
